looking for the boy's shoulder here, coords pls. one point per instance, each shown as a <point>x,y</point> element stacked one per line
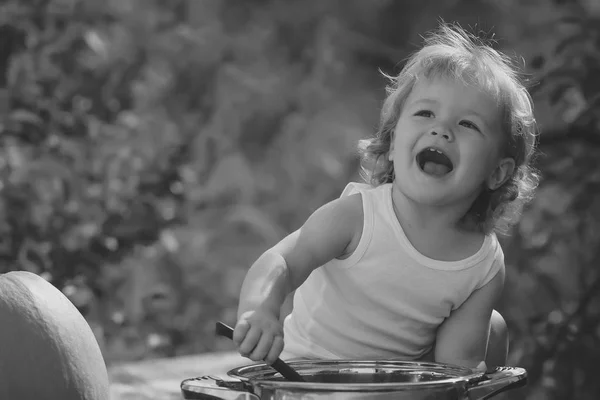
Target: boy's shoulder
<point>347,209</point>
<point>362,188</point>
<point>493,261</point>
<point>355,188</point>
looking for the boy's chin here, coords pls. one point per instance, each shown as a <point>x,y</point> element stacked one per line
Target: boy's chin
<point>437,196</point>
<point>430,198</point>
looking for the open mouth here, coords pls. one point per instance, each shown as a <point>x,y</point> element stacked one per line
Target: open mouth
<point>434,162</point>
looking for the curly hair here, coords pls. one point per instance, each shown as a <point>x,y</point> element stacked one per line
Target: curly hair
<point>451,52</point>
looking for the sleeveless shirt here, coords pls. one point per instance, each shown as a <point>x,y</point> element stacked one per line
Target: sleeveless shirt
<point>386,300</point>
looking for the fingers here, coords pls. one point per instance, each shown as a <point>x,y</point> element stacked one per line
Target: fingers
<point>258,344</point>
<point>250,341</point>
<point>262,348</point>
<point>240,331</point>
<point>275,351</point>
<point>258,336</point>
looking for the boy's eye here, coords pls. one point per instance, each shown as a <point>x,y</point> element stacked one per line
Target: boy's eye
<point>469,124</point>
<point>424,113</point>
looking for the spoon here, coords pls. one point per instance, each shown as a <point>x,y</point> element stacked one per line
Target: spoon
<point>279,365</point>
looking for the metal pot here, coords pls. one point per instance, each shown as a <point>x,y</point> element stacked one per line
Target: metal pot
<point>353,380</point>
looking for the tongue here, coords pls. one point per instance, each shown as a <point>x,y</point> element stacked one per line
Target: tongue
<point>436,169</point>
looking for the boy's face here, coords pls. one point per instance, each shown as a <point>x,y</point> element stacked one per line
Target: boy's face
<point>447,143</point>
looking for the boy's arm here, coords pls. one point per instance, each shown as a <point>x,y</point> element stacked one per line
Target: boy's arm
<point>327,234</point>
<point>462,338</point>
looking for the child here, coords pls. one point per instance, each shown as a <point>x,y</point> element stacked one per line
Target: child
<point>408,264</point>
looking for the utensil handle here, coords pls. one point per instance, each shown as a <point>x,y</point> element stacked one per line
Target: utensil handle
<point>286,371</point>
<point>224,330</point>
<point>279,365</point>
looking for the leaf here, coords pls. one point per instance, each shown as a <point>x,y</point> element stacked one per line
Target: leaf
<point>261,223</point>
<point>570,41</point>
<point>572,20</point>
<point>564,73</point>
<point>538,62</point>
<point>557,93</point>
<point>556,198</point>
<point>96,43</point>
<point>25,116</point>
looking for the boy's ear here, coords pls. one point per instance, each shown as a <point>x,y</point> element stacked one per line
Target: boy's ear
<point>503,171</point>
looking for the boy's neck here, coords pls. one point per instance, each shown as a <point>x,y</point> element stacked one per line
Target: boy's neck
<point>413,215</point>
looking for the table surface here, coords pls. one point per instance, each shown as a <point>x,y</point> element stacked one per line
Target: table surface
<point>159,379</point>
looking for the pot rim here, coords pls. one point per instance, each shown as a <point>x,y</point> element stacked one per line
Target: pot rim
<point>458,375</point>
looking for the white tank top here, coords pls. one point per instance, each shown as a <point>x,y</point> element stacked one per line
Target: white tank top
<point>386,300</point>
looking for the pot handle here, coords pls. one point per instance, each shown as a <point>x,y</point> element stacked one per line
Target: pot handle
<point>215,388</point>
<point>492,383</point>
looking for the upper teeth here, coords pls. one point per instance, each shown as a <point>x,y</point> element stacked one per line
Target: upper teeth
<point>437,151</point>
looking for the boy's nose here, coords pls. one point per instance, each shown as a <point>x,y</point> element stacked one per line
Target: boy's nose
<point>445,133</point>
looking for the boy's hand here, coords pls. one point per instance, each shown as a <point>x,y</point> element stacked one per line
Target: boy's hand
<point>258,336</point>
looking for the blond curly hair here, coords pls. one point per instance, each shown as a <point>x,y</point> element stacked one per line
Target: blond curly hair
<point>451,52</point>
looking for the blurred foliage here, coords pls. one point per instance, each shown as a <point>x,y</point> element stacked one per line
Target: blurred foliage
<point>554,254</point>
<point>144,147</point>
<point>151,150</point>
